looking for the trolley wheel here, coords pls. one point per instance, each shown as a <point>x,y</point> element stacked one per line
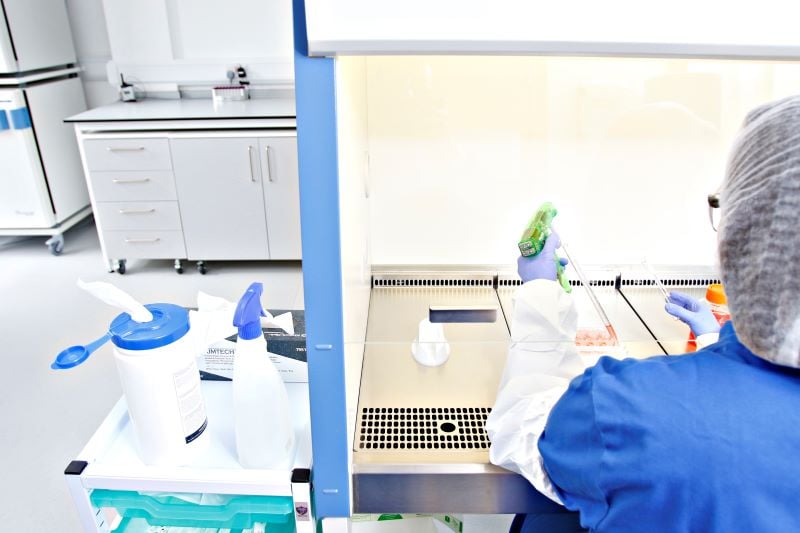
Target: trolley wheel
<point>178,267</point>
<point>121,268</point>
<point>55,244</point>
<point>201,267</point>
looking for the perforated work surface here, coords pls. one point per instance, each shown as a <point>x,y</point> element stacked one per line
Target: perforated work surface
<point>423,428</point>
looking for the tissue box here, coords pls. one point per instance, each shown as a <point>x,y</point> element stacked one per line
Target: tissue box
<point>287,352</point>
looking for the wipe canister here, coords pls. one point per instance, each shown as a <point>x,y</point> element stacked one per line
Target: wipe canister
<point>161,382</point>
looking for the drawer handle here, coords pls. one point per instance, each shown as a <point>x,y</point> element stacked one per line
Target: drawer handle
<point>269,171</point>
<point>250,162</point>
<point>137,211</point>
<point>142,241</point>
<point>138,180</point>
<point>125,148</point>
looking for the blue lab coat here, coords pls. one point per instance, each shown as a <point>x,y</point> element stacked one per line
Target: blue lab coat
<point>707,442</point>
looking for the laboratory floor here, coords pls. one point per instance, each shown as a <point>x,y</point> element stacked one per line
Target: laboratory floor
<point>48,416</point>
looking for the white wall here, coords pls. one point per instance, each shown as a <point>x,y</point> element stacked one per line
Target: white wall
<point>463,149</point>
<point>161,44</point>
<point>92,47</point>
<point>194,42</point>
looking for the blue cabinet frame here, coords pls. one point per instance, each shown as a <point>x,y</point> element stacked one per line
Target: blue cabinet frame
<point>319,207</point>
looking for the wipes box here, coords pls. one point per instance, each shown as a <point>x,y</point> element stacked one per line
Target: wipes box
<point>287,352</point>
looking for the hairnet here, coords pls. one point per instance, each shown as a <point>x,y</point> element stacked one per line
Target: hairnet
<point>759,249</point>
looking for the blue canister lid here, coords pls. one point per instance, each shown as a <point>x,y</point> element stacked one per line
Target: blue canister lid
<point>170,323</point>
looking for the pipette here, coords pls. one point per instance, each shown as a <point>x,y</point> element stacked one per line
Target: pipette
<point>657,281</point>
<point>592,296</point>
<point>535,235</point>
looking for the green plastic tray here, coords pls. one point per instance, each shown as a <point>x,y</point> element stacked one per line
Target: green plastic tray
<point>241,512</point>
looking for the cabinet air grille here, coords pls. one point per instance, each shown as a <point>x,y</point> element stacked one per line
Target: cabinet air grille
<point>572,282</point>
<point>423,428</point>
<point>431,282</point>
<point>671,282</point>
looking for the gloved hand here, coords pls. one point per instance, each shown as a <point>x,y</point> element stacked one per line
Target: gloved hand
<point>696,314</point>
<point>543,265</point>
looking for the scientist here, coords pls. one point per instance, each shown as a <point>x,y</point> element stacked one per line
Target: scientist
<point>706,442</point>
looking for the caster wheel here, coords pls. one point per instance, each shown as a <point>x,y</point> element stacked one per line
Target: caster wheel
<point>55,244</point>
<point>179,270</point>
<point>178,266</point>
<point>201,267</point>
<point>121,268</point>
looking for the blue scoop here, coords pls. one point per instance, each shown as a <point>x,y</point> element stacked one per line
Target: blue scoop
<point>75,355</point>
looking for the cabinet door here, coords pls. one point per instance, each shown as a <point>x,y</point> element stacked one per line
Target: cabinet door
<point>221,198</point>
<point>281,195</point>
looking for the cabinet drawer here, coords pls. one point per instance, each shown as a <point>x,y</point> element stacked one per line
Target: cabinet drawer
<point>116,216</point>
<point>144,244</point>
<point>127,154</point>
<point>133,185</point>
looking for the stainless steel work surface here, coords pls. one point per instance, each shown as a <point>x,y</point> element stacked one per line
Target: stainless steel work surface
<point>648,302</point>
<point>411,413</point>
<point>636,341</point>
<point>420,440</point>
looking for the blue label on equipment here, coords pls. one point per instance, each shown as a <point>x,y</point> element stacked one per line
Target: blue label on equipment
<point>20,118</point>
<point>3,121</point>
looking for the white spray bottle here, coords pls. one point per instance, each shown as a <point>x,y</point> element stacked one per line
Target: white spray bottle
<point>264,433</point>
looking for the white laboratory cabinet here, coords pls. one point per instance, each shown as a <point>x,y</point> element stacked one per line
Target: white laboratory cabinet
<point>230,179</point>
<point>199,183</point>
<point>36,35</point>
<point>41,181</point>
<point>43,191</point>
<point>135,200</point>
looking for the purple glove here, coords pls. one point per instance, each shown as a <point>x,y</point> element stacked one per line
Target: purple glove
<point>543,265</point>
<point>696,314</point>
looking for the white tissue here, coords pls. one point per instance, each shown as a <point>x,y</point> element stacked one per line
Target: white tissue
<point>430,348</point>
<point>283,322</point>
<point>118,298</point>
<point>213,320</point>
<point>197,499</point>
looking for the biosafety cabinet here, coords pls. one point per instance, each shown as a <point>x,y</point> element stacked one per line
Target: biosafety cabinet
<point>428,134</point>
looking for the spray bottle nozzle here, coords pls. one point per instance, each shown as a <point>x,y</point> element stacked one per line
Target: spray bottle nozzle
<point>249,312</point>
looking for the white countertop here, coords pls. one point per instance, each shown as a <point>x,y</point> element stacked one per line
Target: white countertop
<point>188,109</point>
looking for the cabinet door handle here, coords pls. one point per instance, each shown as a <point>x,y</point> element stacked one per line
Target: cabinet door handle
<point>269,171</point>
<point>137,211</point>
<point>139,180</point>
<point>125,148</point>
<point>250,162</point>
<point>142,241</point>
